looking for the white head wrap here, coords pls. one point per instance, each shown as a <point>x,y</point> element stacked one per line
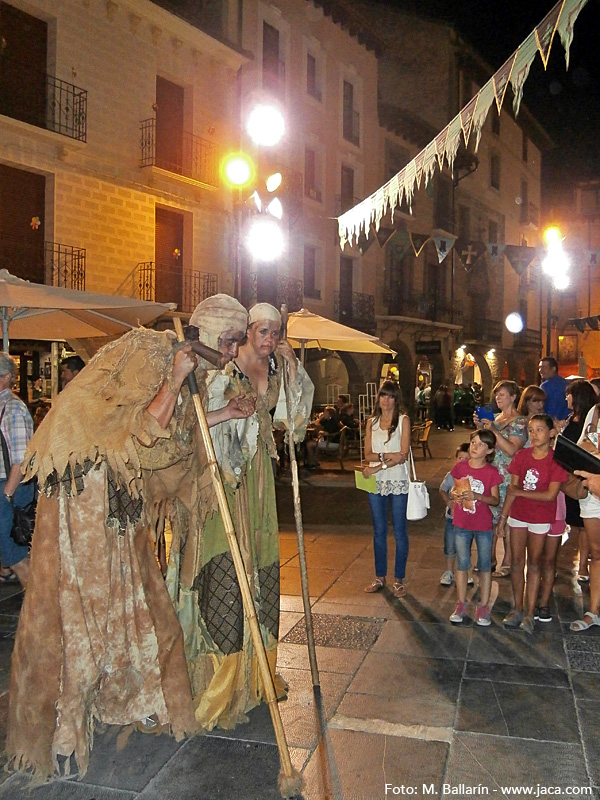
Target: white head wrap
<point>264,311</point>
<point>217,314</point>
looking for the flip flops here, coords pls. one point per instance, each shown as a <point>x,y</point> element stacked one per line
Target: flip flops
<point>377,585</point>
<point>582,625</point>
<point>8,577</point>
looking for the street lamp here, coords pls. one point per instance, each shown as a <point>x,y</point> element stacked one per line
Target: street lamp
<point>556,267</point>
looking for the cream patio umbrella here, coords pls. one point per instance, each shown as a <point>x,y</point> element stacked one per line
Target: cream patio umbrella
<point>51,313</point>
<point>306,329</point>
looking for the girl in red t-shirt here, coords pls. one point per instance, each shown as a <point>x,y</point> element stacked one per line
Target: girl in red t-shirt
<point>529,510</point>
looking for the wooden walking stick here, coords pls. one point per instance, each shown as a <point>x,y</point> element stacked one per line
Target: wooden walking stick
<point>310,636</point>
<point>290,781</point>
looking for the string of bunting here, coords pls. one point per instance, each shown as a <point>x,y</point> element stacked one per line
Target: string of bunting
<point>468,122</point>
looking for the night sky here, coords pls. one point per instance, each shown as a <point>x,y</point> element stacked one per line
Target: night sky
<point>567,104</point>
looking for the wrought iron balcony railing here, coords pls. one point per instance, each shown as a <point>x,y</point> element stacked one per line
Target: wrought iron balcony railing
<point>286,290</point>
<point>483,330</point>
<point>420,306</point>
<point>42,100</point>
<point>50,263</point>
<point>193,157</point>
<point>529,338</point>
<point>164,283</point>
<point>356,310</point>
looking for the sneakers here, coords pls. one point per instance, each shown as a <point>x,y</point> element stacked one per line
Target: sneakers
<point>513,619</point>
<point>483,616</point>
<point>527,625</point>
<point>542,614</point>
<point>470,581</point>
<point>460,612</point>
<point>447,578</point>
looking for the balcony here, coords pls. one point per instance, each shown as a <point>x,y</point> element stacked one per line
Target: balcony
<point>351,126</point>
<point>49,263</point>
<point>528,339</point>
<point>165,284</point>
<point>530,215</point>
<point>344,202</point>
<point>193,157</point>
<point>421,306</point>
<point>42,100</point>
<point>488,331</point>
<point>286,290</point>
<point>356,310</point>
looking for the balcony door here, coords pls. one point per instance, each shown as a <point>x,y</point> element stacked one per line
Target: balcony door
<point>346,267</point>
<point>168,247</point>
<point>169,125</point>
<point>22,205</point>
<point>23,53</point>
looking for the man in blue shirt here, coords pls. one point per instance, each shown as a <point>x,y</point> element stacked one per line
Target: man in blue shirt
<point>555,387</point>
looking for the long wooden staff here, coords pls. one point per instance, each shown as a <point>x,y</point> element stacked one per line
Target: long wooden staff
<point>290,781</point>
<point>310,636</point>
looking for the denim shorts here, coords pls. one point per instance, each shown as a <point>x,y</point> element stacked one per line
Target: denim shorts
<point>449,539</point>
<point>464,541</point>
<point>11,553</point>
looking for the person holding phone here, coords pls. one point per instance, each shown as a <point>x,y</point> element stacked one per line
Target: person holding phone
<point>510,429</point>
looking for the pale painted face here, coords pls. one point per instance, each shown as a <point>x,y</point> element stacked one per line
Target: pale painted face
<point>263,336</point>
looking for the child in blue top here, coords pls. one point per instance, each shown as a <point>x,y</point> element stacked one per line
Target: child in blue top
<point>447,579</point>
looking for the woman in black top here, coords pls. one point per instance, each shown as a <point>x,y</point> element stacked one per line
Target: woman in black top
<point>581,396</point>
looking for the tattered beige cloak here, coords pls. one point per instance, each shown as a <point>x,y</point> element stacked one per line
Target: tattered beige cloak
<point>201,577</point>
<point>98,638</point>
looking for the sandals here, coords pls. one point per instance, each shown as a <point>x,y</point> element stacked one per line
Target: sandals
<point>377,585</point>
<point>8,577</point>
<point>582,625</point>
<point>501,572</point>
<point>398,589</point>
<point>583,579</point>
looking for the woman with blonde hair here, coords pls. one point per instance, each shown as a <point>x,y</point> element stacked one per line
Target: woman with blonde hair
<point>510,429</point>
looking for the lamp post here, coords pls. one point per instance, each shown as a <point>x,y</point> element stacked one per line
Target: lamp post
<point>556,266</point>
<point>262,237</point>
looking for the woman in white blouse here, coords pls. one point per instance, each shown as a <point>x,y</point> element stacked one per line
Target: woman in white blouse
<point>387,446</point>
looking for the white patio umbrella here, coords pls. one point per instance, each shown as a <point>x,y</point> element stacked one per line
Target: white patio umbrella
<point>51,313</point>
<point>306,329</point>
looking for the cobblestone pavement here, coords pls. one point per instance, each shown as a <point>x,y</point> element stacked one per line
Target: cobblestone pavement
<point>409,704</point>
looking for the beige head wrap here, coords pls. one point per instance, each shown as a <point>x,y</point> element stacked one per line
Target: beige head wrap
<point>264,311</point>
<point>217,314</point>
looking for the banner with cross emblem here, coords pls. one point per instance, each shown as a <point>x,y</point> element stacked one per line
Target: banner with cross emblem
<point>469,252</point>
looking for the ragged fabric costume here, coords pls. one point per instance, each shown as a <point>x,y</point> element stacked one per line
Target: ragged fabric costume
<point>98,638</point>
<point>201,577</point>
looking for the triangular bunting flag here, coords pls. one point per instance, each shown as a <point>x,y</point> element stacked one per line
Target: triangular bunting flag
<point>466,118</point>
<point>440,146</point>
<point>486,98</point>
<point>418,241</point>
<point>501,80</point>
<point>384,235</point>
<point>469,252</point>
<point>453,140</point>
<point>519,256</point>
<point>419,161</point>
<point>400,245</point>
<point>365,241</point>
<point>444,242</point>
<point>495,251</point>
<point>525,55</point>
<point>570,12</point>
<point>544,33</point>
<point>579,324</point>
<point>592,322</point>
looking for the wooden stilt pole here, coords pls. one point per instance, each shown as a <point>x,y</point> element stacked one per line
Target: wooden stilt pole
<point>310,636</point>
<point>290,781</point>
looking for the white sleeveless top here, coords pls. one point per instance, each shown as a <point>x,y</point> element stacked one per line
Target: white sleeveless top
<point>393,480</point>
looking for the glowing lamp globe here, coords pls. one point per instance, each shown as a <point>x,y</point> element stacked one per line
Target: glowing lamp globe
<point>265,240</point>
<point>265,125</point>
<point>514,322</point>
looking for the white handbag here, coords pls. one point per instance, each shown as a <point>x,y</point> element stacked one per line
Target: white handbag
<point>418,496</point>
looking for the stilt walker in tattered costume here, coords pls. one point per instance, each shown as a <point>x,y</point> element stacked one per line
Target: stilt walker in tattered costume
<point>98,638</point>
<point>201,575</point>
